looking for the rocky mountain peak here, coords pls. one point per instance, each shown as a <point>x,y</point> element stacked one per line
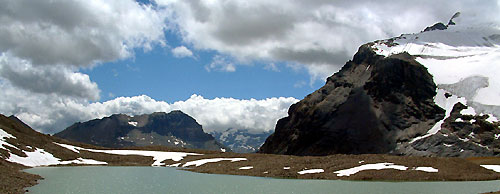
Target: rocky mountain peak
<point>431,93</point>
<point>170,129</point>
<point>441,26</point>
<point>451,22</point>
<point>369,106</point>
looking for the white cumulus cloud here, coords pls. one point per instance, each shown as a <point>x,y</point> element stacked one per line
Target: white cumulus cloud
<point>221,63</point>
<point>43,44</point>
<point>53,113</point>
<point>181,51</point>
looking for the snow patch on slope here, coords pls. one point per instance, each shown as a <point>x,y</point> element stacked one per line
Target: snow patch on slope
<point>39,157</point>
<point>463,60</point>
<point>426,169</point>
<point>158,156</point>
<point>378,166</point>
<point>455,54</point>
<point>311,171</point>
<point>495,168</point>
<point>3,136</point>
<point>204,161</point>
<point>445,103</point>
<point>133,123</point>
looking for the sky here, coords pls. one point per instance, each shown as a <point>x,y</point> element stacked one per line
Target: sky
<point>229,64</point>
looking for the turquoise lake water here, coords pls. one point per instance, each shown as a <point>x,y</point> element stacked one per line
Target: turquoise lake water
<point>142,180</point>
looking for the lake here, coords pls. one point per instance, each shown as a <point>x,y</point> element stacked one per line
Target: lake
<point>105,179</point>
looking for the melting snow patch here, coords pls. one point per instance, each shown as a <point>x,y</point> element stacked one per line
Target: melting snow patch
<point>246,168</point>
<point>495,168</point>
<point>378,166</point>
<point>311,171</point>
<point>463,139</point>
<point>445,103</point>
<point>133,123</point>
<point>69,147</point>
<point>491,118</point>
<point>3,136</point>
<point>447,145</point>
<point>39,157</point>
<point>497,136</point>
<point>223,150</point>
<point>426,169</point>
<point>468,111</point>
<point>204,161</point>
<point>158,156</point>
<point>362,161</point>
<point>286,168</point>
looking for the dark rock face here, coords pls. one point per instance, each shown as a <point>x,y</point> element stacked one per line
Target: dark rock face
<point>438,26</point>
<point>461,135</point>
<point>370,106</point>
<point>172,129</point>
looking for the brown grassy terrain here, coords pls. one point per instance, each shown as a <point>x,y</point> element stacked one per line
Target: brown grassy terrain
<point>264,165</point>
<point>13,180</point>
<point>269,165</point>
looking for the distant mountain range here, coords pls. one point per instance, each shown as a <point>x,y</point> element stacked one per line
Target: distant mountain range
<point>240,140</point>
<point>433,93</point>
<point>175,129</point>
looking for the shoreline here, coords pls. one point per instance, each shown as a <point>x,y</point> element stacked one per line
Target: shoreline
<point>287,167</point>
<point>399,168</point>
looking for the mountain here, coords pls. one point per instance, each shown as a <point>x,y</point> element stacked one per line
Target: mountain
<point>174,129</point>
<point>433,93</point>
<point>240,140</point>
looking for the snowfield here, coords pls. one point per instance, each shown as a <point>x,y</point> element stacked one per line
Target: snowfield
<point>464,61</point>
<point>39,157</point>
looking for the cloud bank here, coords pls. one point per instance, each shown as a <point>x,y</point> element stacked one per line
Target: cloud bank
<point>43,44</point>
<point>53,113</point>
<point>317,35</point>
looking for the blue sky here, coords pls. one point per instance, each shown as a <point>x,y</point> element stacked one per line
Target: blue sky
<point>162,76</point>
<point>227,63</point>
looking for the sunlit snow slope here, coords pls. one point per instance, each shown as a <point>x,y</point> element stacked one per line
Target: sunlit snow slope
<point>464,61</point>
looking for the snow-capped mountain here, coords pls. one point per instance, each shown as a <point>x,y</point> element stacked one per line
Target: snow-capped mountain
<point>383,101</point>
<point>241,141</point>
<point>465,62</point>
